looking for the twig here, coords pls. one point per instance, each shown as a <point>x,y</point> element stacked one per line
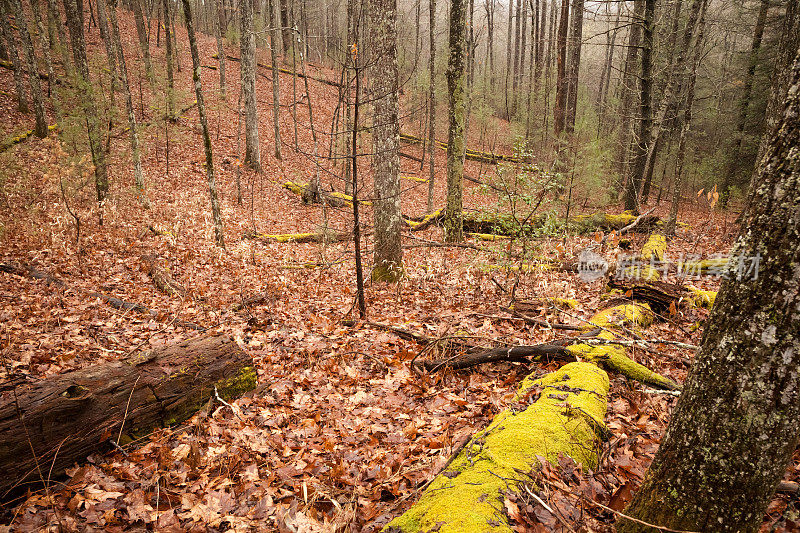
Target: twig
<point>551,511</point>
<point>127,405</point>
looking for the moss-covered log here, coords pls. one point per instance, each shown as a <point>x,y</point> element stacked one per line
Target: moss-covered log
<point>329,236</point>
<point>47,426</point>
<point>469,154</point>
<point>567,417</point>
<point>333,199</point>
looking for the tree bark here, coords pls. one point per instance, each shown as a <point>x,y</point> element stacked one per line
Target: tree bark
<point>201,110</point>
<point>388,252</point>
<point>645,120</point>
<point>47,426</point>
<point>247,67</point>
<point>219,34</point>
<point>734,428</point>
<point>33,71</point>
<point>453,227</point>
<point>628,84</point>
<point>169,40</point>
<point>285,28</point>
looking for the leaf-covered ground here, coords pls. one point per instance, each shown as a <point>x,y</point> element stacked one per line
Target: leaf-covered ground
<point>341,433</point>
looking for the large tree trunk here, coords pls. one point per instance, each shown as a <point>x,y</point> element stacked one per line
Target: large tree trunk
<point>453,227</point>
<point>735,429</point>
<point>645,122</point>
<point>88,100</point>
<point>33,71</point>
<point>252,150</point>
<point>47,426</point>
<point>733,163</point>
<point>388,252</point>
<point>627,88</point>
<point>285,28</point>
<point>201,110</point>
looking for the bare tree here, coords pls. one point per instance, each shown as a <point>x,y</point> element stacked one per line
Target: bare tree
<point>576,36</point>
<point>8,35</point>
<point>33,72</point>
<point>453,223</point>
<point>432,102</point>
<point>273,49</point>
<point>252,148</point>
<point>201,110</point>
<point>388,252</point>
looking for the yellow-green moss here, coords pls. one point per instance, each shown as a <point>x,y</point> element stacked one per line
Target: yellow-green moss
<point>704,266</point>
<point>427,218</point>
<point>415,178</point>
<point>388,274</point>
<point>654,248</point>
<point>566,419</point>
<point>243,381</point>
<point>612,356</point>
<point>701,298</point>
<point>628,315</point>
<point>297,188</point>
<point>290,237</point>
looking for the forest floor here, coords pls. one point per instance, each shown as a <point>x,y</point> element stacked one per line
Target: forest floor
<point>341,433</point>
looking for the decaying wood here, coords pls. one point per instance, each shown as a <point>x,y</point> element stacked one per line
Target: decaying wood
<point>286,71</point>
<point>162,278</point>
<point>47,426</point>
<point>471,155</point>
<point>538,322</point>
<point>659,294</point>
<point>538,352</point>
<point>330,236</point>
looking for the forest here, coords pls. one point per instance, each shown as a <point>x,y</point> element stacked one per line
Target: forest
<point>400,266</point>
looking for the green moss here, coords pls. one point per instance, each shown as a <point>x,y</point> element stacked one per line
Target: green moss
<point>414,178</point>
<point>628,315</point>
<point>290,237</point>
<point>654,248</point>
<point>564,303</point>
<point>641,272</point>
<point>701,298</point>
<point>612,356</point>
<point>566,419</point>
<point>488,236</point>
<point>426,219</point>
<point>387,273</point>
<point>243,381</point>
<point>297,188</point>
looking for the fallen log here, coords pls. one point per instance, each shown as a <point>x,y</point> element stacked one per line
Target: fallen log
<point>5,145</point>
<point>333,199</point>
<point>47,426</point>
<point>285,71</point>
<point>329,236</point>
<point>567,417</point>
<point>162,278</point>
<point>469,154</point>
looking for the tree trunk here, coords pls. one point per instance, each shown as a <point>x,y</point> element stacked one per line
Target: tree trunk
<point>47,426</point>
<point>201,110</point>
<point>677,184</point>
<point>388,252</point>
<point>33,71</point>
<point>605,79</point>
<point>285,28</point>
<point>559,113</point>
<point>733,165</point>
<point>247,67</point>
<point>168,40</point>
<point>509,51</point>
<point>44,42</point>
<point>219,34</point>
<point>576,36</point>
<point>645,121</point>
<point>432,102</point>
<point>453,227</point>
<point>8,34</point>
<point>628,84</point>
<point>88,100</point>
<point>138,175</point>
<point>275,37</point>
<point>675,80</point>
<point>735,429</point>
<point>144,44</point>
